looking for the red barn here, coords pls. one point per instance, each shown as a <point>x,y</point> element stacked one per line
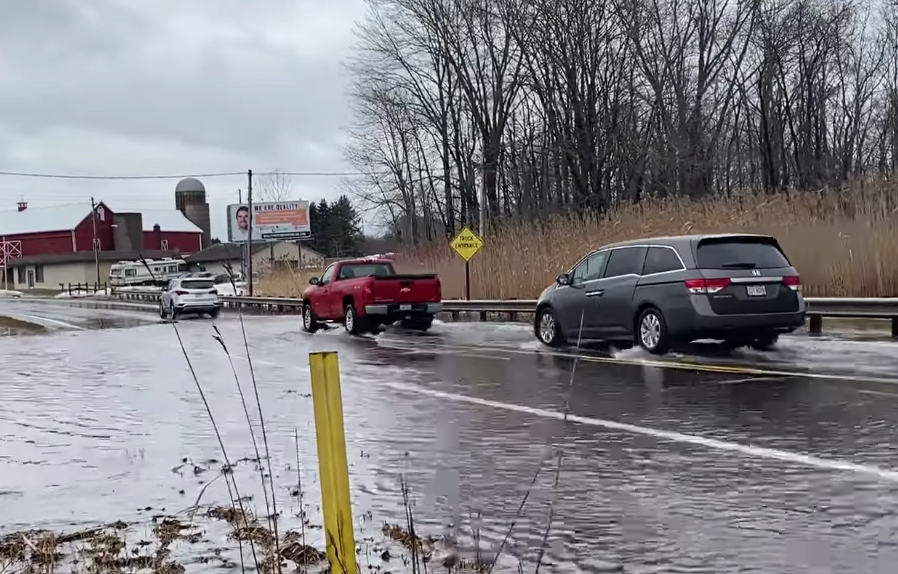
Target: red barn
<point>54,245</point>
<point>58,229</point>
<point>175,231</point>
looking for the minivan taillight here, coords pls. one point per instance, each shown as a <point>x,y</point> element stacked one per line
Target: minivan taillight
<point>699,286</point>
<point>793,282</point>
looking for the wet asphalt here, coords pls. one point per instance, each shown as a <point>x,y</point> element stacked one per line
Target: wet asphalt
<point>704,461</point>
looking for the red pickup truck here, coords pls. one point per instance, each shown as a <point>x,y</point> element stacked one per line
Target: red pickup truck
<point>367,293</point>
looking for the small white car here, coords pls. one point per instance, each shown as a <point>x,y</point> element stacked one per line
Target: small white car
<point>189,295</point>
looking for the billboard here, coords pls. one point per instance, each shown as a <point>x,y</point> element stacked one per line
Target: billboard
<point>271,220</point>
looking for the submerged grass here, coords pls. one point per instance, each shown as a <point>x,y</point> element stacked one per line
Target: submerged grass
<point>13,326</point>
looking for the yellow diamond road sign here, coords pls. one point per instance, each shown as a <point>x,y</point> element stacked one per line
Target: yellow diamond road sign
<point>466,243</point>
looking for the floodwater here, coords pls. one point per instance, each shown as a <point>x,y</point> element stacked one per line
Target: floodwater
<point>664,468</point>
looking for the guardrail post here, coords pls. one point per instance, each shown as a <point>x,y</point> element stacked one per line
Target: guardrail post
<point>324,371</point>
<point>895,327</point>
<point>483,315</point>
<point>816,325</point>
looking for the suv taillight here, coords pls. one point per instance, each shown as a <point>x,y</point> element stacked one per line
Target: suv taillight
<point>180,293</point>
<point>699,286</point>
<point>793,282</point>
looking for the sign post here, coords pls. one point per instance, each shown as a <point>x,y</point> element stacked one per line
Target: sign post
<point>467,244</point>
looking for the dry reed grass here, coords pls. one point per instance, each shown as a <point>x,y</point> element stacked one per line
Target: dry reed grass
<point>843,242</point>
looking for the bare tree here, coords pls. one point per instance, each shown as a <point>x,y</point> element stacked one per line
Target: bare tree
<point>582,104</point>
<point>274,186</point>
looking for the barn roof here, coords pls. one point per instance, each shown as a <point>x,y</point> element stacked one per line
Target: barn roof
<point>43,219</point>
<point>168,219</point>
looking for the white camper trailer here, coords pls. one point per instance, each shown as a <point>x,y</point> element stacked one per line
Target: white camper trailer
<point>147,272</point>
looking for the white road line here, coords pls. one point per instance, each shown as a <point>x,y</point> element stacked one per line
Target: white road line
<point>887,475</point>
<point>55,322</point>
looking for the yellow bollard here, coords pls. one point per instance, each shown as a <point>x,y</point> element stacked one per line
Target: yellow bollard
<point>333,469</point>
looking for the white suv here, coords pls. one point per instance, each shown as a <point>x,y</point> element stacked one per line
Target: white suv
<point>189,295</point>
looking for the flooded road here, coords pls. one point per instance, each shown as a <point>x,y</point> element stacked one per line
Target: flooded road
<point>665,467</point>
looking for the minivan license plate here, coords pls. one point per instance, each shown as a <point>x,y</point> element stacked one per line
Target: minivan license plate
<point>405,307</point>
<point>756,290</point>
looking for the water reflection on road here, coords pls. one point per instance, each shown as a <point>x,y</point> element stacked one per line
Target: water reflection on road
<point>92,424</point>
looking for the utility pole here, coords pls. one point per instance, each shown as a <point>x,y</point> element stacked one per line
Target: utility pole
<point>93,217</point>
<point>249,240</point>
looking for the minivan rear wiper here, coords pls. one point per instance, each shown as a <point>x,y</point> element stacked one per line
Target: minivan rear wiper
<point>738,265</point>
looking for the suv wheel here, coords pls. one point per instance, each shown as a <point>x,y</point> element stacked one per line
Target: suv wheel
<point>547,329</point>
<point>651,332</point>
<point>162,314</point>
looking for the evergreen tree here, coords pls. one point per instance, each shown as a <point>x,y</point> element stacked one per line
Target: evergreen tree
<point>336,228</point>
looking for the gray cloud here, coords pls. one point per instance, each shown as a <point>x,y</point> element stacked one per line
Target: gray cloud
<point>124,86</point>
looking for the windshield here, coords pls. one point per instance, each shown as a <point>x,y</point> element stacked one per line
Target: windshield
<point>740,253</point>
<point>197,284</point>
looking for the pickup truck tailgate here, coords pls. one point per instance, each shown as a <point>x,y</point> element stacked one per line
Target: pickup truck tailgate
<point>406,289</point>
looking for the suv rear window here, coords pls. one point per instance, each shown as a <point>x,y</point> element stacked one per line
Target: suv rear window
<point>740,253</point>
<point>197,284</point>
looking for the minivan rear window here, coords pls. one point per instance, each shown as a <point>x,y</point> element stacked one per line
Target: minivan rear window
<point>740,253</point>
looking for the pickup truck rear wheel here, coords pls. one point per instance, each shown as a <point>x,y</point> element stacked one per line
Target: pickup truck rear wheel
<point>310,323</point>
<point>353,324</point>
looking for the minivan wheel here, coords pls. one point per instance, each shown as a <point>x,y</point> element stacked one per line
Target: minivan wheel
<point>547,330</point>
<point>651,332</point>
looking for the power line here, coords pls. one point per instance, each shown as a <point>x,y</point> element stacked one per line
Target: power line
<point>178,176</point>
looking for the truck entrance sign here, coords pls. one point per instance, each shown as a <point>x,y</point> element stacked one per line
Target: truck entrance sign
<point>466,243</point>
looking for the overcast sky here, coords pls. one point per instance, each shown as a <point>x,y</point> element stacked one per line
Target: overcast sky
<point>123,87</point>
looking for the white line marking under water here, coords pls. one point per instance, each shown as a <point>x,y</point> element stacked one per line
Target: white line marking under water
<point>55,322</point>
<point>884,474</point>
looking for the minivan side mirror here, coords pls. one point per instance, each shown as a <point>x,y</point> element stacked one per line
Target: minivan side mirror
<point>314,281</point>
<point>563,279</point>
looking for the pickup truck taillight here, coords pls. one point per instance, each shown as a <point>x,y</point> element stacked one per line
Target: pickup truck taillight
<point>368,291</point>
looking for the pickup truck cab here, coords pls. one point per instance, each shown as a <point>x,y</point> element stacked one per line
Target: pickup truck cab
<point>367,293</point>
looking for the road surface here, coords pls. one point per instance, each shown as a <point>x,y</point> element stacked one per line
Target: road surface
<point>704,462</point>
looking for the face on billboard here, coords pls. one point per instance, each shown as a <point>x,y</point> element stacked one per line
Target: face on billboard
<point>243,218</point>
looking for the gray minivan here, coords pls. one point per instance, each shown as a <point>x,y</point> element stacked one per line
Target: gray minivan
<point>740,289</point>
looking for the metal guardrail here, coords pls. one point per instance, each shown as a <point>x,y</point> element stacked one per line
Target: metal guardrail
<point>817,307</point>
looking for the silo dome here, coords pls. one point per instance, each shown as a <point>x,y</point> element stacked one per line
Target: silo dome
<point>190,184</point>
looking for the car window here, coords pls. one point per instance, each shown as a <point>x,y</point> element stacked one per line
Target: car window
<point>590,268</point>
<point>740,253</point>
<point>661,260</point>
<point>625,261</point>
<point>328,274</point>
<point>197,284</point>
